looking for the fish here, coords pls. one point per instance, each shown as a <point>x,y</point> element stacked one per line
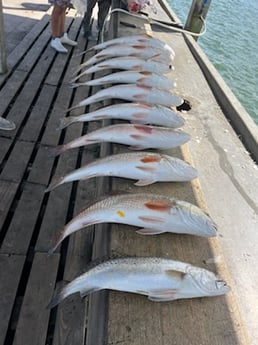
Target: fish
<point>160,279</point>
<point>146,53</point>
<point>146,167</point>
<point>143,40</point>
<point>137,113</point>
<point>154,214</point>
<point>137,136</point>
<point>139,78</point>
<point>135,93</point>
<point>128,63</point>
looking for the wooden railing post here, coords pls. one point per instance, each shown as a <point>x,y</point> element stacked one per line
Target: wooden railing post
<point>3,65</point>
<point>197,12</point>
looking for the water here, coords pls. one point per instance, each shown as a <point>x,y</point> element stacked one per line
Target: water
<point>231,43</point>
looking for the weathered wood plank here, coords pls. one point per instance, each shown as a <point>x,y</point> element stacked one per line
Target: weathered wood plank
<point>38,114</point>
<point>17,162</point>
<point>10,268</point>
<point>22,226</point>
<point>7,193</point>
<point>9,90</point>
<point>5,144</point>
<point>22,48</point>
<point>34,316</point>
<point>40,170</point>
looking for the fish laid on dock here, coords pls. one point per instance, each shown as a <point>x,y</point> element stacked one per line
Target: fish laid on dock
<point>138,137</point>
<point>134,93</point>
<point>128,63</point>
<point>146,53</point>
<point>139,78</point>
<point>143,40</point>
<point>160,279</point>
<point>146,167</point>
<point>137,113</point>
<point>154,214</point>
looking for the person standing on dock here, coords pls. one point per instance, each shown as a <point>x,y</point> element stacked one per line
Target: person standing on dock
<point>103,6</point>
<point>59,36</point>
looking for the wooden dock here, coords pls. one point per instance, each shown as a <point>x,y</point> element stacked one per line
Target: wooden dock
<point>35,95</point>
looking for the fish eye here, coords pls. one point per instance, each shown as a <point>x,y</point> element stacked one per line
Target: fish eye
<point>220,283</point>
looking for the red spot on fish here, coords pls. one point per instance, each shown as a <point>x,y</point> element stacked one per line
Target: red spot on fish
<point>143,129</point>
<point>158,206</point>
<point>151,159</point>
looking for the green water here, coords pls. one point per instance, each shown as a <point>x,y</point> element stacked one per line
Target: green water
<point>231,43</point>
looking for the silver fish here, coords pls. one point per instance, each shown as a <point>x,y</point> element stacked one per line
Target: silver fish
<point>143,40</point>
<point>146,53</point>
<point>146,167</point>
<point>160,279</point>
<point>132,92</point>
<point>139,78</point>
<point>127,63</point>
<point>137,136</point>
<point>155,214</point>
<point>135,112</point>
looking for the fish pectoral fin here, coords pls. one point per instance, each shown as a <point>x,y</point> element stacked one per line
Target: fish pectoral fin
<point>146,231</point>
<point>163,295</point>
<point>84,293</point>
<point>144,182</point>
<point>146,168</point>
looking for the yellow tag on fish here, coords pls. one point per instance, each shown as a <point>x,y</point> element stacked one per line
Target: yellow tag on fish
<point>120,213</point>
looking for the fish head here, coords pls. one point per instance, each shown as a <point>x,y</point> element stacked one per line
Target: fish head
<point>206,283</point>
<point>172,118</point>
<point>195,218</point>
<point>183,170</point>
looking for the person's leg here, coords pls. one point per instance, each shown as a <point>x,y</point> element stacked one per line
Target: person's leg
<point>87,18</point>
<point>57,21</point>
<point>103,6</point>
<point>57,26</point>
<point>59,36</point>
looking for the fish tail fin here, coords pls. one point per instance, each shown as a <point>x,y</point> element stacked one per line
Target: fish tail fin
<point>59,294</point>
<point>56,240</point>
<point>66,121</point>
<point>57,150</point>
<point>56,181</point>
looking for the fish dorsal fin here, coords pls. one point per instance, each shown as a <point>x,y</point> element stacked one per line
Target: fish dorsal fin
<point>160,206</point>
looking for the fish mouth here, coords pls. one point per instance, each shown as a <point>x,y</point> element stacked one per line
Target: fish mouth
<point>222,286</point>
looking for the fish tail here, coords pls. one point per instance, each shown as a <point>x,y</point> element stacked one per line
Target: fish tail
<point>57,150</point>
<point>58,296</point>
<point>56,240</point>
<point>75,85</point>
<point>56,181</point>
<point>66,121</point>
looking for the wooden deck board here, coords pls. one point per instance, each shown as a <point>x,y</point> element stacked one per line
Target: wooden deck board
<point>10,268</point>
<point>34,315</point>
<point>22,226</point>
